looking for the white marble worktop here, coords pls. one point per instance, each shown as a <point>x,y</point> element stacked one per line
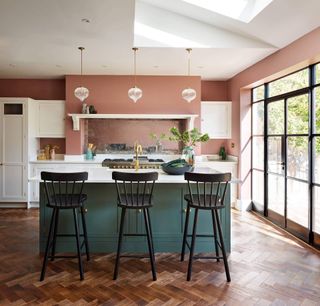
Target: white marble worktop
<point>104,175</point>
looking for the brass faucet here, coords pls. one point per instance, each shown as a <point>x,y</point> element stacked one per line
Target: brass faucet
<point>137,151</point>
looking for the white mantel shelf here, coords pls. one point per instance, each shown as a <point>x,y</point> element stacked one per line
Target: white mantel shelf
<point>76,118</point>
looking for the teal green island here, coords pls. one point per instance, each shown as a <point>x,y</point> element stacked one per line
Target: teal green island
<point>103,218</point>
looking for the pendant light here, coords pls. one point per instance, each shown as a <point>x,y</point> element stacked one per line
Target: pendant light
<point>188,94</point>
<point>81,92</point>
<point>135,93</point>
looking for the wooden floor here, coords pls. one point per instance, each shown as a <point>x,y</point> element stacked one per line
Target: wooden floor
<point>268,267</point>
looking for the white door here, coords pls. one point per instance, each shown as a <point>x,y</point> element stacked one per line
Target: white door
<point>12,156</point>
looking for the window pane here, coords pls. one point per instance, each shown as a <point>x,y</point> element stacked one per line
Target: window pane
<point>316,210</point>
<point>276,117</point>
<point>258,93</point>
<point>317,110</point>
<point>289,83</point>
<point>257,152</point>
<point>257,118</point>
<point>257,187</point>
<point>297,202</point>
<point>274,155</point>
<point>276,193</point>
<point>297,161</point>
<point>316,150</point>
<point>317,73</point>
<point>298,115</point>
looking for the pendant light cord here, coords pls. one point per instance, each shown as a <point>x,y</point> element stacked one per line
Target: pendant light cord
<point>135,66</point>
<point>81,49</point>
<point>189,60</point>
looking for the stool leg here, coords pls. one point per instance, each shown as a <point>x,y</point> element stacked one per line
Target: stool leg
<point>56,222</point>
<point>45,259</point>
<point>150,244</point>
<point>192,243</point>
<point>116,268</point>
<point>76,227</point>
<point>85,234</point>
<point>225,260</point>
<point>215,235</point>
<point>185,232</point>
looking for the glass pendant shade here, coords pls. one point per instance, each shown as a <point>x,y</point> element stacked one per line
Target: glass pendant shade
<point>81,93</point>
<point>189,94</point>
<point>135,93</point>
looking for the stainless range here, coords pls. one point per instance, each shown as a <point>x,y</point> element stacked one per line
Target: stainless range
<point>144,163</point>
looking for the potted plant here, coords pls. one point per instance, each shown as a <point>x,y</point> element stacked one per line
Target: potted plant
<point>189,140</point>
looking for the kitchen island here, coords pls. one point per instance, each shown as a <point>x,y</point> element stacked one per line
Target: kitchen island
<point>102,217</point>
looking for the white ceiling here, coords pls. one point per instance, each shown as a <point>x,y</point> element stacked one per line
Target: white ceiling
<point>39,38</point>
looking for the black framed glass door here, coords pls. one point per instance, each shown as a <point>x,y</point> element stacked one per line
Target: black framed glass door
<point>288,163</point>
<point>287,111</point>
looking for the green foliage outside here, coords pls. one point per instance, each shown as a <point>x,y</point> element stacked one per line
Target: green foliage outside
<point>297,112</point>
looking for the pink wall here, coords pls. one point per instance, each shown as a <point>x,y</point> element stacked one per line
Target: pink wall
<point>214,91</point>
<point>299,54</point>
<point>109,94</point>
<point>38,89</point>
<point>33,88</point>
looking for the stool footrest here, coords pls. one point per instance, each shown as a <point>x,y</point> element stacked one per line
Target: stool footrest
<point>202,235</point>
<point>135,235</point>
<point>64,256</point>
<point>68,235</point>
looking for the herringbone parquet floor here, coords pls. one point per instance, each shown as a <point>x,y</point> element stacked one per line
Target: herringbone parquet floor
<point>268,267</point>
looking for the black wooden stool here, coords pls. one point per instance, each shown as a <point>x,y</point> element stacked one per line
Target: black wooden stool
<point>135,191</point>
<point>204,197</point>
<point>62,193</point>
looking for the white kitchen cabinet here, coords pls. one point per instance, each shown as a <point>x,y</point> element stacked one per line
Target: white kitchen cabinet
<point>16,144</point>
<point>216,119</point>
<point>51,122</point>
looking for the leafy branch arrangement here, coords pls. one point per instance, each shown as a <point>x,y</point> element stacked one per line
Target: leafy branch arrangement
<point>189,138</point>
<point>157,138</point>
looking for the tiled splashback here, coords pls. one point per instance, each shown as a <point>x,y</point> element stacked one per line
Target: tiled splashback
<point>105,133</point>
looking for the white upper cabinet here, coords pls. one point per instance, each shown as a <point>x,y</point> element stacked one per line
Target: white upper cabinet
<point>216,119</point>
<point>51,118</point>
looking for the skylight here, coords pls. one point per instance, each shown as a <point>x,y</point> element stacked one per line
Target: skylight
<point>242,10</point>
<point>165,38</point>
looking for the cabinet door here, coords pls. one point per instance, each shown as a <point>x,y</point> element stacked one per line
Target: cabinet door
<point>52,118</point>
<point>216,119</point>
<point>13,153</point>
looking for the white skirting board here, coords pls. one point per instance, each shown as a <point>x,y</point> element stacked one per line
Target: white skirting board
<point>13,205</point>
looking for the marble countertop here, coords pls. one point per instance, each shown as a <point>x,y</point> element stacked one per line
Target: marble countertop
<point>104,175</point>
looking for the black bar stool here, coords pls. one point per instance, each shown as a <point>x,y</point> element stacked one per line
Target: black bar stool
<point>207,199</point>
<point>62,193</point>
<point>135,191</point>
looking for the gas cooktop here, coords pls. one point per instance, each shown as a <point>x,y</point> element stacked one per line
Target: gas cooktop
<point>144,163</point>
